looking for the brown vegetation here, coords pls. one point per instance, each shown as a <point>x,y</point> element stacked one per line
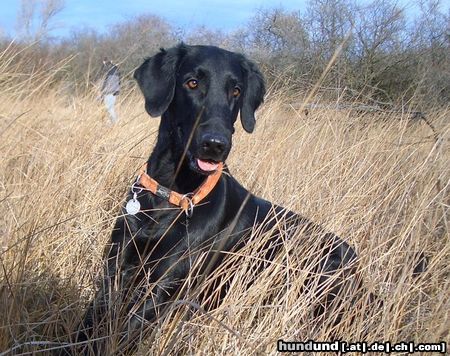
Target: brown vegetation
<point>379,180</point>
<point>391,54</point>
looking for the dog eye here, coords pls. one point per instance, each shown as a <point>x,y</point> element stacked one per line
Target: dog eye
<point>236,92</point>
<point>192,84</point>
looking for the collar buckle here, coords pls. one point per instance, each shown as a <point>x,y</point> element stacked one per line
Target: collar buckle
<point>187,204</point>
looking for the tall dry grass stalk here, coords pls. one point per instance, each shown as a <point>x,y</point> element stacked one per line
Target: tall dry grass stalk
<point>379,181</point>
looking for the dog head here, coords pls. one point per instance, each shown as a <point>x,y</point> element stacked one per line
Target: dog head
<point>201,89</point>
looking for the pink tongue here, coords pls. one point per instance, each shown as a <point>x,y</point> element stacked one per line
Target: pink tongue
<point>207,166</point>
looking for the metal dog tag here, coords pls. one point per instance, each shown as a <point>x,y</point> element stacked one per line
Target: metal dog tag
<point>133,206</point>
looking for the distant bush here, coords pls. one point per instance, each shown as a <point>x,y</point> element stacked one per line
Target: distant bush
<point>383,53</point>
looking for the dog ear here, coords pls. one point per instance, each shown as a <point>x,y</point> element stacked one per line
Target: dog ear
<point>253,95</point>
<point>156,79</point>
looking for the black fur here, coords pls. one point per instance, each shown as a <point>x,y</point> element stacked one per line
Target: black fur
<point>151,248</point>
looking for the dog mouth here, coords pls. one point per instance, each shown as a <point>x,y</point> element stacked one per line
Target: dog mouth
<point>204,166</point>
<point>208,166</point>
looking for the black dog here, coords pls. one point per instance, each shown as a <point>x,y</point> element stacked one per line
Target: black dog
<point>199,91</point>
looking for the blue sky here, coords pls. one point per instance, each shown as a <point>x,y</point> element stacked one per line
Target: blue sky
<point>99,14</point>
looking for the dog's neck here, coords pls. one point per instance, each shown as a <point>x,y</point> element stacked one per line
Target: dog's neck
<point>164,160</point>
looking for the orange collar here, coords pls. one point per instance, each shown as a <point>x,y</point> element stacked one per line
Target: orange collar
<point>184,201</point>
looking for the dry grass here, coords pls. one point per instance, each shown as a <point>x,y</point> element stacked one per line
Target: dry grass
<point>381,182</point>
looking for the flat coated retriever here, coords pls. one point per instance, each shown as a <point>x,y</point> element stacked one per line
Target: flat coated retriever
<point>183,206</point>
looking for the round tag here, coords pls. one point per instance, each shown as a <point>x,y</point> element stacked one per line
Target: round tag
<point>133,206</point>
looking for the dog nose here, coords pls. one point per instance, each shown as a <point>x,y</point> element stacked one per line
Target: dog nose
<point>214,146</point>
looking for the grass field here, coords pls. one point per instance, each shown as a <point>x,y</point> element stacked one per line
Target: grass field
<point>381,181</point>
